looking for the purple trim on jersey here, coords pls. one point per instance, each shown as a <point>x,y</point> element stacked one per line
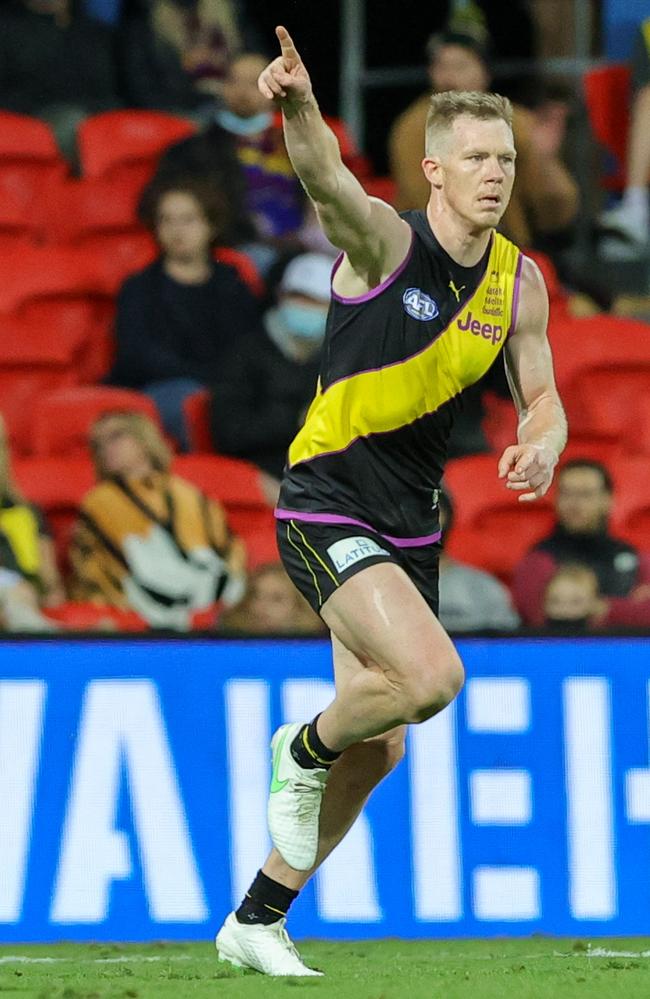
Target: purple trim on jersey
<point>515,295</point>
<point>335,518</point>
<point>374,292</point>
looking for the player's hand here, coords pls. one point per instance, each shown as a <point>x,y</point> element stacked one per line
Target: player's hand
<point>285,80</point>
<point>528,466</point>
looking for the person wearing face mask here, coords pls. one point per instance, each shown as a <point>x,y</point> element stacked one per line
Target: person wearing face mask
<point>242,126</point>
<point>266,384</point>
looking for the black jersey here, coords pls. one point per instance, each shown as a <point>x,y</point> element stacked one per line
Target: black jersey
<point>395,362</point>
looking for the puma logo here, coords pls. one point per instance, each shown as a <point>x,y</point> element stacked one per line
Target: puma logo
<point>456,290</point>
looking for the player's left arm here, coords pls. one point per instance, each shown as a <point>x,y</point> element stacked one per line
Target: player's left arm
<point>529,465</point>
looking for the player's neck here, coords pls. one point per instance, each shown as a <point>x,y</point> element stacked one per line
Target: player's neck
<point>464,245</point>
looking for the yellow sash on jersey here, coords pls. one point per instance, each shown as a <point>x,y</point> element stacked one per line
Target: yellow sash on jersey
<point>394,396</point>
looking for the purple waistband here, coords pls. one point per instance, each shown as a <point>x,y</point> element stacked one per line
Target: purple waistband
<point>337,518</point>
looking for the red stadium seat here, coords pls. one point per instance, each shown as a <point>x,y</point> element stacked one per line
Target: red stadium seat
<point>607,95</point>
<point>244,266</point>
<point>631,515</point>
<point>637,436</point>
<point>237,485</point>
<point>127,144</point>
<point>602,398</point>
<point>76,209</point>
<point>29,157</point>
<point>17,224</point>
<point>196,410</point>
<point>492,529</point>
<point>597,341</point>
<point>62,420</point>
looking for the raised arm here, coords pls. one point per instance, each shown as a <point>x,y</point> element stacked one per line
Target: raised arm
<point>529,464</point>
<point>368,230</point>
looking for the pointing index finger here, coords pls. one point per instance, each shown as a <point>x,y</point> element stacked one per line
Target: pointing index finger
<point>289,51</point>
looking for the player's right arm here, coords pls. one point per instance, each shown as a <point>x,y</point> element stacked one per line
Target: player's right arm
<point>370,232</point>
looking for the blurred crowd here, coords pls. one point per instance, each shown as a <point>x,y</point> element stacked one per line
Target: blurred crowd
<point>231,312</point>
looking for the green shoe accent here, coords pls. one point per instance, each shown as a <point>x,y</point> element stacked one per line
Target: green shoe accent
<point>278,785</point>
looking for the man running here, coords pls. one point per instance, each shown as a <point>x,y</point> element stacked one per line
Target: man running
<point>421,306</point>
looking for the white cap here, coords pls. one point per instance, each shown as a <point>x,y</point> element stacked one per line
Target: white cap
<point>309,274</point>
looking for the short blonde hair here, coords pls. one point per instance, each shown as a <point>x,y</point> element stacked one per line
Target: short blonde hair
<point>143,430</point>
<point>451,104</point>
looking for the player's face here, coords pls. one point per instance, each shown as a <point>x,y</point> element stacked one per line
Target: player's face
<point>476,171</point>
<point>456,67</point>
<point>183,231</point>
<point>583,503</point>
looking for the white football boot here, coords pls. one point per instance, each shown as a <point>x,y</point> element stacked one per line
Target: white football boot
<point>294,802</point>
<point>268,949</point>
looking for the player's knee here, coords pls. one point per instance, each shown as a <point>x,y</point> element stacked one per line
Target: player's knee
<point>436,688</point>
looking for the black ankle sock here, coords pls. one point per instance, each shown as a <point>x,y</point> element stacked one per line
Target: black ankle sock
<point>309,752</point>
<point>266,901</point>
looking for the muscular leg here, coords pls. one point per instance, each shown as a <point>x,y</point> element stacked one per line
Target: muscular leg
<point>412,670</point>
<point>352,779</point>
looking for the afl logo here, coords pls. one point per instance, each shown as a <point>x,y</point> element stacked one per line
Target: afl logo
<point>419,306</point>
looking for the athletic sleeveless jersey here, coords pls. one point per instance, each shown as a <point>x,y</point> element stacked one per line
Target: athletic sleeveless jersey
<point>395,362</point>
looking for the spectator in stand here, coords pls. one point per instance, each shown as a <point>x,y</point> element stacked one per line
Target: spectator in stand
<point>265,386</point>
<point>29,578</point>
<point>147,540</point>
<point>545,196</point>
<point>470,599</point>
<point>629,222</point>
<point>178,317</point>
<point>174,54</point>
<point>583,503</point>
<point>274,198</point>
<point>272,606</point>
<point>55,64</point>
<point>27,536</point>
<point>571,599</point>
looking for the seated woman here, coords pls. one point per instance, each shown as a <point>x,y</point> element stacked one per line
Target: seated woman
<point>147,540</point>
<point>26,551</point>
<point>177,317</point>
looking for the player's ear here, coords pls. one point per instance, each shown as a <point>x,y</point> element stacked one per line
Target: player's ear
<point>432,168</point>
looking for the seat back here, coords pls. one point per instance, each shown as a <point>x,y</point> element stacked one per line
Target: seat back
<point>607,91</point>
<point>117,143</point>
<point>62,420</point>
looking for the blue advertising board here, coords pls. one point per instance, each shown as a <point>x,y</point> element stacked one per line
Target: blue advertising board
<point>134,775</point>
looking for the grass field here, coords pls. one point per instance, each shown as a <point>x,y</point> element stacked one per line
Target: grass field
<point>534,968</point>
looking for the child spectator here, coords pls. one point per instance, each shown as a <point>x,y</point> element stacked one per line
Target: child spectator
<point>571,599</point>
<point>147,540</point>
<point>178,317</point>
<point>583,503</point>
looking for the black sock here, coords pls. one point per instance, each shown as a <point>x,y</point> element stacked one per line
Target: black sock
<point>266,901</point>
<point>309,752</point>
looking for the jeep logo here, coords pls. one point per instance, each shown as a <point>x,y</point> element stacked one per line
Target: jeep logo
<point>486,330</point>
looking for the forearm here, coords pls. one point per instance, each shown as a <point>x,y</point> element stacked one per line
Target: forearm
<point>544,424</point>
<point>313,150</point>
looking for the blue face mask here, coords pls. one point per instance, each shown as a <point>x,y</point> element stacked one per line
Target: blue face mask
<point>243,126</point>
<point>303,322</point>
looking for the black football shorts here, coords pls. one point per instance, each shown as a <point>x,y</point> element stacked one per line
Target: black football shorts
<point>320,557</point>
